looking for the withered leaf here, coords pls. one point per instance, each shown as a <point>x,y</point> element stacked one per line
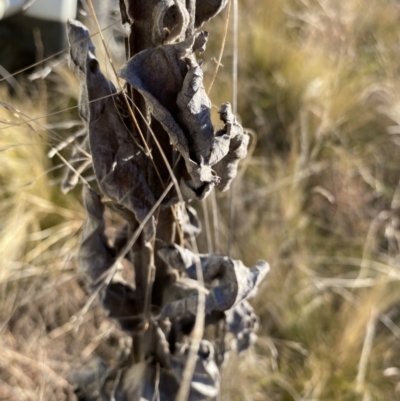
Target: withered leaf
<point>148,380</point>
<point>159,74</point>
<point>239,141</point>
<point>118,160</point>
<point>235,281</point>
<point>171,81</point>
<point>242,322</point>
<point>96,257</point>
<point>207,9</point>
<point>194,112</point>
<point>189,221</point>
<point>170,21</point>
<point>82,52</point>
<point>88,379</point>
<point>205,383</point>
<point>144,380</point>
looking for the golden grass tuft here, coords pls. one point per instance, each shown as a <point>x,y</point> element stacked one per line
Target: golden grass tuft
<point>40,290</point>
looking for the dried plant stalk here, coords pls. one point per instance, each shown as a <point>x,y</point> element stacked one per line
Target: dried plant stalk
<point>165,109</point>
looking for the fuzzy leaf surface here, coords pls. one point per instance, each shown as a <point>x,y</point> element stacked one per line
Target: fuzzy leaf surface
<point>118,160</point>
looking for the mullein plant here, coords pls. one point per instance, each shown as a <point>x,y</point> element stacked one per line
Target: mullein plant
<point>153,150</point>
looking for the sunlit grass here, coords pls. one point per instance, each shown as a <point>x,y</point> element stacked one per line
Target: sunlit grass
<point>319,85</point>
<point>38,240</point>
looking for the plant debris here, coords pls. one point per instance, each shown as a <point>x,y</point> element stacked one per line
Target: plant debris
<point>166,97</point>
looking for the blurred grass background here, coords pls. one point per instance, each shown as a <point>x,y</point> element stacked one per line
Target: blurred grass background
<point>319,199</point>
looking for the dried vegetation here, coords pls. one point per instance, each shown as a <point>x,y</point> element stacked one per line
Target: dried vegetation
<point>318,199</point>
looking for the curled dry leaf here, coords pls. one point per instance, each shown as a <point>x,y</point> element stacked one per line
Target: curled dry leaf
<point>171,20</point>
<point>189,220</point>
<point>239,141</point>
<point>242,322</point>
<point>171,81</point>
<point>96,257</point>
<point>207,9</point>
<point>158,74</point>
<point>229,281</point>
<point>82,52</point>
<point>206,378</point>
<point>118,160</point>
<point>144,381</point>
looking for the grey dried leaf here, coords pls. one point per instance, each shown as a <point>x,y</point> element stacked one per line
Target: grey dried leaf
<point>207,9</point>
<point>117,158</point>
<point>158,74</point>
<point>205,383</point>
<point>161,90</point>
<point>82,52</point>
<point>96,257</point>
<point>239,141</point>
<point>194,112</point>
<point>87,381</point>
<point>177,99</point>
<point>174,12</point>
<point>136,382</point>
<point>234,281</point>
<point>242,322</point>
<point>192,189</point>
<point>219,147</point>
<point>183,288</point>
<point>189,220</point>
<point>144,381</point>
